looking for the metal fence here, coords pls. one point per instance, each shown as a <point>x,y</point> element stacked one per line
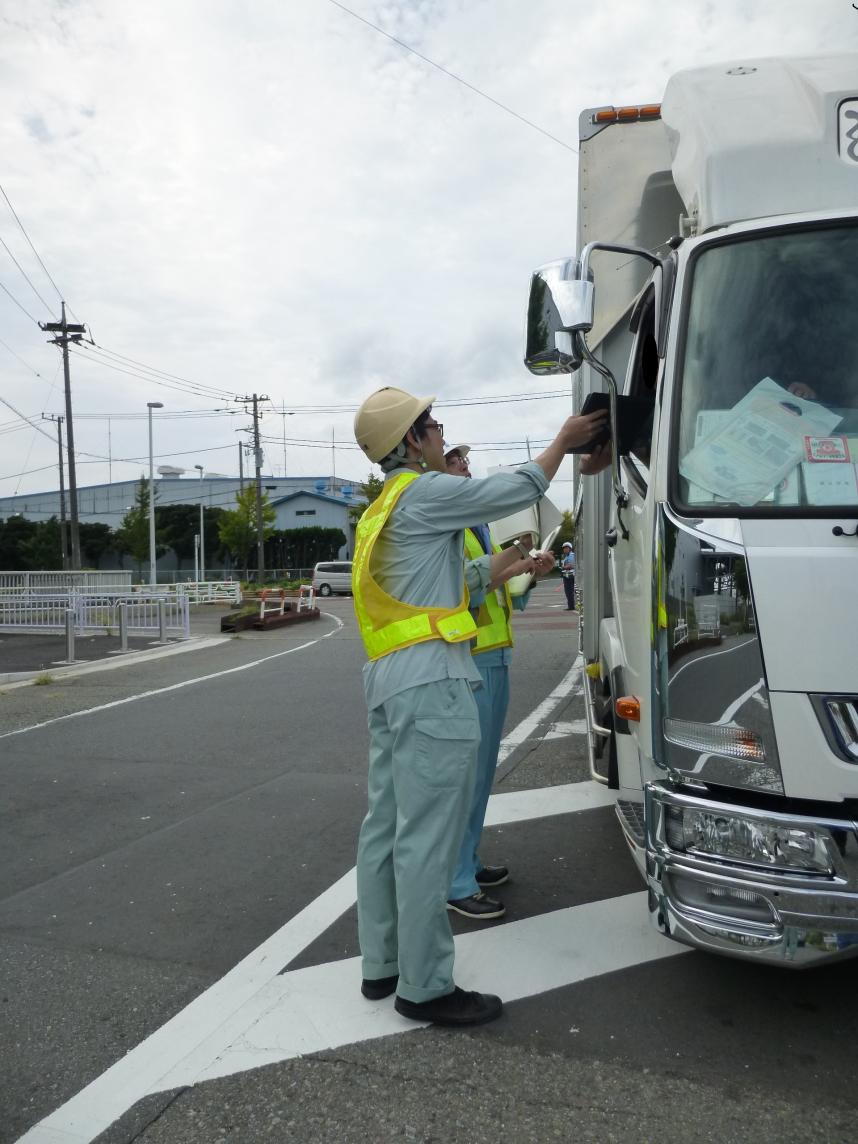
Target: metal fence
<point>64,581</point>
<point>145,613</point>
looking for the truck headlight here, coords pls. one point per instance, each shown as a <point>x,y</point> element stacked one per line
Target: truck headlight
<point>719,834</point>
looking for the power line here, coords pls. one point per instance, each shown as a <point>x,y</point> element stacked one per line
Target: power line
<point>20,359</point>
<point>18,304</point>
<point>26,279</point>
<point>38,256</point>
<point>457,78</point>
<point>225,393</point>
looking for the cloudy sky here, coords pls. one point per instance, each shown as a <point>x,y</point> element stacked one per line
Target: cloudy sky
<point>272,196</point>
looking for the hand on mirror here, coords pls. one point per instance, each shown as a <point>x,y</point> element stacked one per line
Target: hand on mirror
<point>583,428</point>
<point>595,462</point>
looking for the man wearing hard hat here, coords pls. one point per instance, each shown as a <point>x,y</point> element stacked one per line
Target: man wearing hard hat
<point>412,609</point>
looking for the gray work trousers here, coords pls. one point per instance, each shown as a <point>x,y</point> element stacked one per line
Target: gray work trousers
<point>422,767</point>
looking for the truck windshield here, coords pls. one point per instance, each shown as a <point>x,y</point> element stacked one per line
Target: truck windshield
<point>769,390</point>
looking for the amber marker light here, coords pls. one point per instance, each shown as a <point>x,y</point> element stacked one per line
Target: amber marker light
<point>628,707</point>
<point>628,114</point>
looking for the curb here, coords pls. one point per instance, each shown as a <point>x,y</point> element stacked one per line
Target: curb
<point>14,679</point>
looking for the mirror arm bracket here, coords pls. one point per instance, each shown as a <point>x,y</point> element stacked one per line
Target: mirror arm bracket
<point>620,493</point>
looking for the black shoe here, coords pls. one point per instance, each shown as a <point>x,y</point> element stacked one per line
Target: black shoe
<point>492,876</point>
<point>375,989</point>
<point>479,907</point>
<point>456,1008</point>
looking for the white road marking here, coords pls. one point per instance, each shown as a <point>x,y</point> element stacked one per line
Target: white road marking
<point>541,802</point>
<point>18,679</point>
<point>570,684</point>
<point>517,960</point>
<point>176,686</point>
<point>255,1000</point>
<point>201,1033</point>
<point>565,730</point>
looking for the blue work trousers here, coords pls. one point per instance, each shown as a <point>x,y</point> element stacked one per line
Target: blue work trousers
<point>492,702</point>
<point>422,762</point>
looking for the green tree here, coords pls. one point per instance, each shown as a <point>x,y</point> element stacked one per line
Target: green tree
<point>567,532</point>
<point>304,547</point>
<point>41,549</point>
<point>178,524</point>
<point>95,540</point>
<point>369,490</point>
<point>237,528</point>
<point>132,536</point>
<point>14,534</point>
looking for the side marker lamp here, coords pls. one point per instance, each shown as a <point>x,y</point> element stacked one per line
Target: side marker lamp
<point>719,834</point>
<point>628,707</point>
<point>726,739</point>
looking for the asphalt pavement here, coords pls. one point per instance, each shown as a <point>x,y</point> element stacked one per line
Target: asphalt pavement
<point>179,940</point>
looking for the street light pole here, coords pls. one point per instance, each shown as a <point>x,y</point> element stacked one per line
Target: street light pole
<point>202,528</point>
<point>153,574</point>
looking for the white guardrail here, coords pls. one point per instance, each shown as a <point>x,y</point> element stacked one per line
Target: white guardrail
<point>37,608</point>
<point>154,612</point>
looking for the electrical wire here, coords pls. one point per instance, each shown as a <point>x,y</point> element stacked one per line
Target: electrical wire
<point>18,304</point>
<point>38,256</point>
<point>27,280</point>
<point>457,78</point>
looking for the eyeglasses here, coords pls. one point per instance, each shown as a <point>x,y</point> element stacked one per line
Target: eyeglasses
<point>435,425</point>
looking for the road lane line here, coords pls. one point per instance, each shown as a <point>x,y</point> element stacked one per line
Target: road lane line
<point>320,1007</point>
<point>570,684</point>
<point>195,1036</point>
<point>176,686</point>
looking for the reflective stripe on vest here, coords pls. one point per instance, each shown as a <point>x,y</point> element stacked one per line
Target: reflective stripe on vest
<point>387,624</point>
<point>494,628</point>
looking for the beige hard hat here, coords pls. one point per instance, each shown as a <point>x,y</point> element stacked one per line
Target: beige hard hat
<point>462,450</point>
<point>384,419</point>
<point>565,544</point>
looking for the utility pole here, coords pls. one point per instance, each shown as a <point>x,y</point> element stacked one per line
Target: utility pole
<point>63,537</point>
<point>67,332</point>
<point>257,462</point>
<point>241,466</point>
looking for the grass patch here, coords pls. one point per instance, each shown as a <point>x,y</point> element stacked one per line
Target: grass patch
<point>43,680</point>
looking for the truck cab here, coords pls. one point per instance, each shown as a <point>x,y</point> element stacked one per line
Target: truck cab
<point>712,298</point>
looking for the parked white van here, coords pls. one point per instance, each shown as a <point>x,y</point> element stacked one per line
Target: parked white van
<point>333,577</point>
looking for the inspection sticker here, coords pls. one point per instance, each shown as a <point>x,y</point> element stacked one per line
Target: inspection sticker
<point>826,449</point>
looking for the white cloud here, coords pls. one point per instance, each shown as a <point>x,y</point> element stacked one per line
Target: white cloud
<point>273,197</point>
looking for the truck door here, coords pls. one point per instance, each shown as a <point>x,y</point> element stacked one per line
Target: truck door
<point>630,560</point>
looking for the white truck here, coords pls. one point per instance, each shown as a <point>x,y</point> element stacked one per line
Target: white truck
<point>714,301</point>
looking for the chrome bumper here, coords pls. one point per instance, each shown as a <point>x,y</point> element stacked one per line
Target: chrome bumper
<point>793,918</point>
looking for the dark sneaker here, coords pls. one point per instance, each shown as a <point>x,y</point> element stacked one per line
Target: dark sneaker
<point>492,876</point>
<point>479,907</point>
<point>379,988</point>
<point>456,1008</point>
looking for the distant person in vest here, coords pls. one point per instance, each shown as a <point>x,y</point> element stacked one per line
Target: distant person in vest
<point>412,609</point>
<point>567,571</point>
<point>492,652</point>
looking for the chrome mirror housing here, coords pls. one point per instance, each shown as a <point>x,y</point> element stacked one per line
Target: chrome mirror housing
<point>560,305</point>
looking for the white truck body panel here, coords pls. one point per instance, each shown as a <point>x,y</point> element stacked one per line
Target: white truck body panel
<point>761,138</point>
<point>742,150</point>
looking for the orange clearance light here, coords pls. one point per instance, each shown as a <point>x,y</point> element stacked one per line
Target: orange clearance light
<point>628,707</point>
<point>627,114</point>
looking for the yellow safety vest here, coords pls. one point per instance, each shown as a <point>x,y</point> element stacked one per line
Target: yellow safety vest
<point>387,624</point>
<point>494,628</point>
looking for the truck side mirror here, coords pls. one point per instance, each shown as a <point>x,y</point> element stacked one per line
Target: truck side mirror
<point>560,305</point>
